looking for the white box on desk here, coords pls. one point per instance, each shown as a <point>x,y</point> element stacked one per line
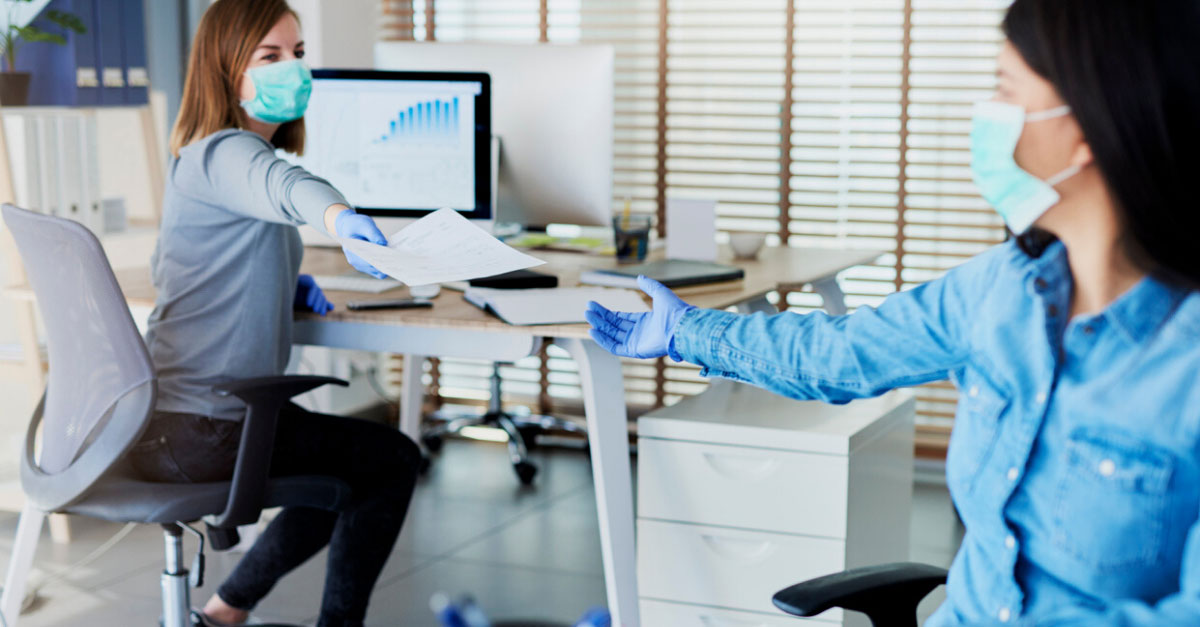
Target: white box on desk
<point>826,486</point>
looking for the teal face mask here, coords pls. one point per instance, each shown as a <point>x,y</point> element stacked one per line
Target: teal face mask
<point>281,91</point>
<point>1018,196</point>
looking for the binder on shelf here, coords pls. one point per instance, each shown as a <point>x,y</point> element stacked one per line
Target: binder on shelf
<point>137,79</point>
<point>65,75</point>
<point>57,172</point>
<point>110,54</point>
<point>70,166</point>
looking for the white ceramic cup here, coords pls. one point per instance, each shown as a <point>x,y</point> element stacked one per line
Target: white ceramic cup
<point>425,291</point>
<point>747,245</point>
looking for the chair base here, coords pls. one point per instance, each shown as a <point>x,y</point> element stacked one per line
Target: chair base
<point>522,430</point>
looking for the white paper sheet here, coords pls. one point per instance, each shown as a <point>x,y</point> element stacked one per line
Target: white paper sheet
<point>552,305</point>
<point>440,247</point>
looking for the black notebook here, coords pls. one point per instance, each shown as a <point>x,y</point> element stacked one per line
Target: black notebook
<point>672,273</point>
<point>516,280</point>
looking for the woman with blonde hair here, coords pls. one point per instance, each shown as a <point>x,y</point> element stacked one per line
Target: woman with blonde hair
<point>227,275</point>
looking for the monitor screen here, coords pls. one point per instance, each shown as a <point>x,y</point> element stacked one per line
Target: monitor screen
<point>402,144</point>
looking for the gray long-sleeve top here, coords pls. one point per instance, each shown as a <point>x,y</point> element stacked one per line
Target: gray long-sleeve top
<point>226,266</point>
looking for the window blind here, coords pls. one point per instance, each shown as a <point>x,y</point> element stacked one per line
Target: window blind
<point>836,123</point>
<point>953,62</point>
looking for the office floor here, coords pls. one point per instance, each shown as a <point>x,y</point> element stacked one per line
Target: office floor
<point>521,552</point>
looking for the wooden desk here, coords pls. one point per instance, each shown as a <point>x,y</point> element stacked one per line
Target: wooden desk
<point>454,328</point>
<point>776,268</point>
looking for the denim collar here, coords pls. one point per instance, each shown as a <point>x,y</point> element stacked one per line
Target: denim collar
<point>1138,313</point>
<point>1049,271</point>
<point>1144,308</point>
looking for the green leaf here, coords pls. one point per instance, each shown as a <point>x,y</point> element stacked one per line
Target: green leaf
<point>66,20</point>
<point>34,34</point>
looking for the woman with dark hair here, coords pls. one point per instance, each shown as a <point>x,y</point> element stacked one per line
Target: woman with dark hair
<point>227,275</point>
<point>1075,457</point>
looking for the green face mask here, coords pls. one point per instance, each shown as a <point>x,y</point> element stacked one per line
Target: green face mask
<point>281,91</point>
<point>1018,196</point>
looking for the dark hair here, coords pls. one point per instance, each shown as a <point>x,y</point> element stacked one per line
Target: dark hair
<point>1130,71</point>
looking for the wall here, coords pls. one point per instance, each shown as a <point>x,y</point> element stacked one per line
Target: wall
<point>338,33</point>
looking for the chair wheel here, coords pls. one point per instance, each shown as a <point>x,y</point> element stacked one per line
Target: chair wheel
<point>433,443</point>
<point>529,436</point>
<point>525,472</point>
<point>423,467</point>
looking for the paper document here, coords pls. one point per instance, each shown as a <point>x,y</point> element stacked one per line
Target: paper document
<point>551,305</point>
<point>442,246</point>
<point>693,232</point>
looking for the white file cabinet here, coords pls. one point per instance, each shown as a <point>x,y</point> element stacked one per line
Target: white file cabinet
<point>742,493</point>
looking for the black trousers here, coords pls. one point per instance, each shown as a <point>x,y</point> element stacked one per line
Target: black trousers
<point>378,463</point>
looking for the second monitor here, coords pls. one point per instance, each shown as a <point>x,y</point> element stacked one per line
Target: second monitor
<point>553,114</point>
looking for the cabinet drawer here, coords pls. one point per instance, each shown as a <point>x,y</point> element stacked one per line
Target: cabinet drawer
<point>661,614</point>
<point>729,568</point>
<point>742,487</point>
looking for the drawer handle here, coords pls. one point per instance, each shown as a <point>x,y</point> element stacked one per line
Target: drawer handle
<point>742,467</point>
<point>745,551</point>
<point>716,621</point>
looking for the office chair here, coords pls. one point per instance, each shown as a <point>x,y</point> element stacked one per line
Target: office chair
<point>98,401</point>
<point>522,430</point>
<point>888,594</point>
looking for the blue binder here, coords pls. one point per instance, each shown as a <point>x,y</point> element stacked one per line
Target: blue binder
<point>110,53</point>
<point>137,79</point>
<point>64,74</point>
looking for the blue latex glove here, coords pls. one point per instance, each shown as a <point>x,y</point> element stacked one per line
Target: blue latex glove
<point>356,226</point>
<point>638,335</point>
<point>595,617</point>
<point>310,297</point>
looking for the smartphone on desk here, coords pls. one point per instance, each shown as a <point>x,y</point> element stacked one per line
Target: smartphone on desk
<point>391,303</point>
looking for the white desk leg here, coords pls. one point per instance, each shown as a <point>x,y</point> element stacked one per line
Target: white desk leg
<point>412,396</point>
<point>832,295</point>
<point>608,436</point>
<point>24,547</point>
<point>758,305</point>
<point>60,528</point>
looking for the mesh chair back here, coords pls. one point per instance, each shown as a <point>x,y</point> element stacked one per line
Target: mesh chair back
<point>97,357</point>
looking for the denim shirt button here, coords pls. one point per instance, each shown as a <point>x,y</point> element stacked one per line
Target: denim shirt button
<point>1010,542</point>
<point>1040,284</point>
<point>1107,468</point>
<point>1040,398</point>
<point>1052,310</point>
<point>974,391</point>
<point>1013,473</point>
<point>1004,614</point>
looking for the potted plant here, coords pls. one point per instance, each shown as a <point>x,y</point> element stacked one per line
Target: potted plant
<point>14,86</point>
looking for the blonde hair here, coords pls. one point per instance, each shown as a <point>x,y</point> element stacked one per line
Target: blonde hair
<point>226,39</point>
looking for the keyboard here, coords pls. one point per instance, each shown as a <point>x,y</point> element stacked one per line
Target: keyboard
<point>354,282</point>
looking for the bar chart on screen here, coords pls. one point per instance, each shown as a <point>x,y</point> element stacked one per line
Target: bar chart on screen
<point>416,146</point>
<point>428,121</point>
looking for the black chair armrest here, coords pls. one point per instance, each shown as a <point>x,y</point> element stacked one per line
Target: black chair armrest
<point>886,591</point>
<point>264,396</point>
<point>283,387</point>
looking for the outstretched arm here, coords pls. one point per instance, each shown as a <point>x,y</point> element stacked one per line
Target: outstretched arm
<point>912,338</point>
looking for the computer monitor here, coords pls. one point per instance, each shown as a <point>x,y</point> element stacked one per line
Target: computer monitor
<point>553,114</point>
<point>402,144</point>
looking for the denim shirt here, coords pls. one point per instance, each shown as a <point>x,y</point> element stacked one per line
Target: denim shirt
<point>1074,459</point>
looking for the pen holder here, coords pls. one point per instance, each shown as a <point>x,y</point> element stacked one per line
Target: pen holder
<point>631,236</point>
